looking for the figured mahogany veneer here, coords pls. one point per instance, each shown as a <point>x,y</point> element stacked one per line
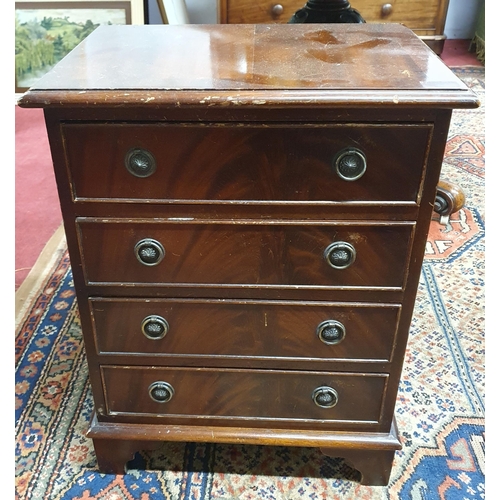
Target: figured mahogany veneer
<point>232,161</point>
<point>269,397</point>
<point>239,253</point>
<point>246,210</point>
<point>248,331</point>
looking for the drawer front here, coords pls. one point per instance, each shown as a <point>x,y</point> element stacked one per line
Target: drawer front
<point>267,11</point>
<point>193,163</point>
<point>245,329</point>
<point>412,13</point>
<point>245,254</point>
<point>255,395</point>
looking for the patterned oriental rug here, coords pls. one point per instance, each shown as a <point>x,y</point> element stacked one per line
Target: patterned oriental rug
<point>440,407</point>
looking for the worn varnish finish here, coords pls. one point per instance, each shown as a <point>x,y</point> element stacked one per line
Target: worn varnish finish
<point>212,305</point>
<point>259,62</point>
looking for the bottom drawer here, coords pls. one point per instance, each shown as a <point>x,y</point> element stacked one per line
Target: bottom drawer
<point>186,395</point>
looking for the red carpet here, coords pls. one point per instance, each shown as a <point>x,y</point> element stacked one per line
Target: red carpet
<point>37,206</point>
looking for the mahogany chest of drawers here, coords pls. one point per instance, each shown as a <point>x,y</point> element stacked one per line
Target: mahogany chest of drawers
<point>426,19</point>
<point>246,210</point>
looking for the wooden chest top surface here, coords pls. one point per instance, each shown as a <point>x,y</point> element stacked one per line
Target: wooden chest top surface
<point>370,63</point>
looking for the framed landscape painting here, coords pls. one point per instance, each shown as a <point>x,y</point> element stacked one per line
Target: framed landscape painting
<point>46,31</point>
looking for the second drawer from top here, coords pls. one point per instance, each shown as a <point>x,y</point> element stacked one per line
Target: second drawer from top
<point>200,253</point>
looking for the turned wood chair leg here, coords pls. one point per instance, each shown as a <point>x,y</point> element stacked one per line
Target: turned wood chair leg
<point>449,199</point>
<point>327,11</point>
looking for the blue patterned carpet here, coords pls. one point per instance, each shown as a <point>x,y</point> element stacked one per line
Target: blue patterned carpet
<point>440,407</point>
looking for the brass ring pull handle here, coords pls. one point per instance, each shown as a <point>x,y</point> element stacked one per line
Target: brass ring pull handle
<point>331,332</point>
<point>340,255</point>
<point>149,252</point>
<point>154,327</point>
<point>325,397</point>
<point>161,392</point>
<point>350,164</point>
<point>140,162</point>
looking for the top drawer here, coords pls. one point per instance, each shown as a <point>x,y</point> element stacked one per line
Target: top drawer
<point>414,14</point>
<point>260,11</point>
<point>242,162</point>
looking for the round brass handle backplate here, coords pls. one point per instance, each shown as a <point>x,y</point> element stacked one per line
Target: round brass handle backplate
<point>325,397</point>
<point>331,332</point>
<point>149,252</point>
<point>340,254</point>
<point>140,162</point>
<point>161,392</point>
<point>154,327</point>
<point>350,164</point>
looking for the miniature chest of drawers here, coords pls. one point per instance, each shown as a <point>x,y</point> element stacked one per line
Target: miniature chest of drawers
<point>246,210</point>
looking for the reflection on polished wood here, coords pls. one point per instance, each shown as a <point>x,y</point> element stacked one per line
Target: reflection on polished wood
<point>162,66</point>
<point>426,19</point>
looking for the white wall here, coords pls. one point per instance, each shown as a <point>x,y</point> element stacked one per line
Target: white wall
<point>199,11</point>
<point>459,21</point>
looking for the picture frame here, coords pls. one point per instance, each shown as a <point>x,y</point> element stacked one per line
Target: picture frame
<point>48,30</point>
<point>173,11</point>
